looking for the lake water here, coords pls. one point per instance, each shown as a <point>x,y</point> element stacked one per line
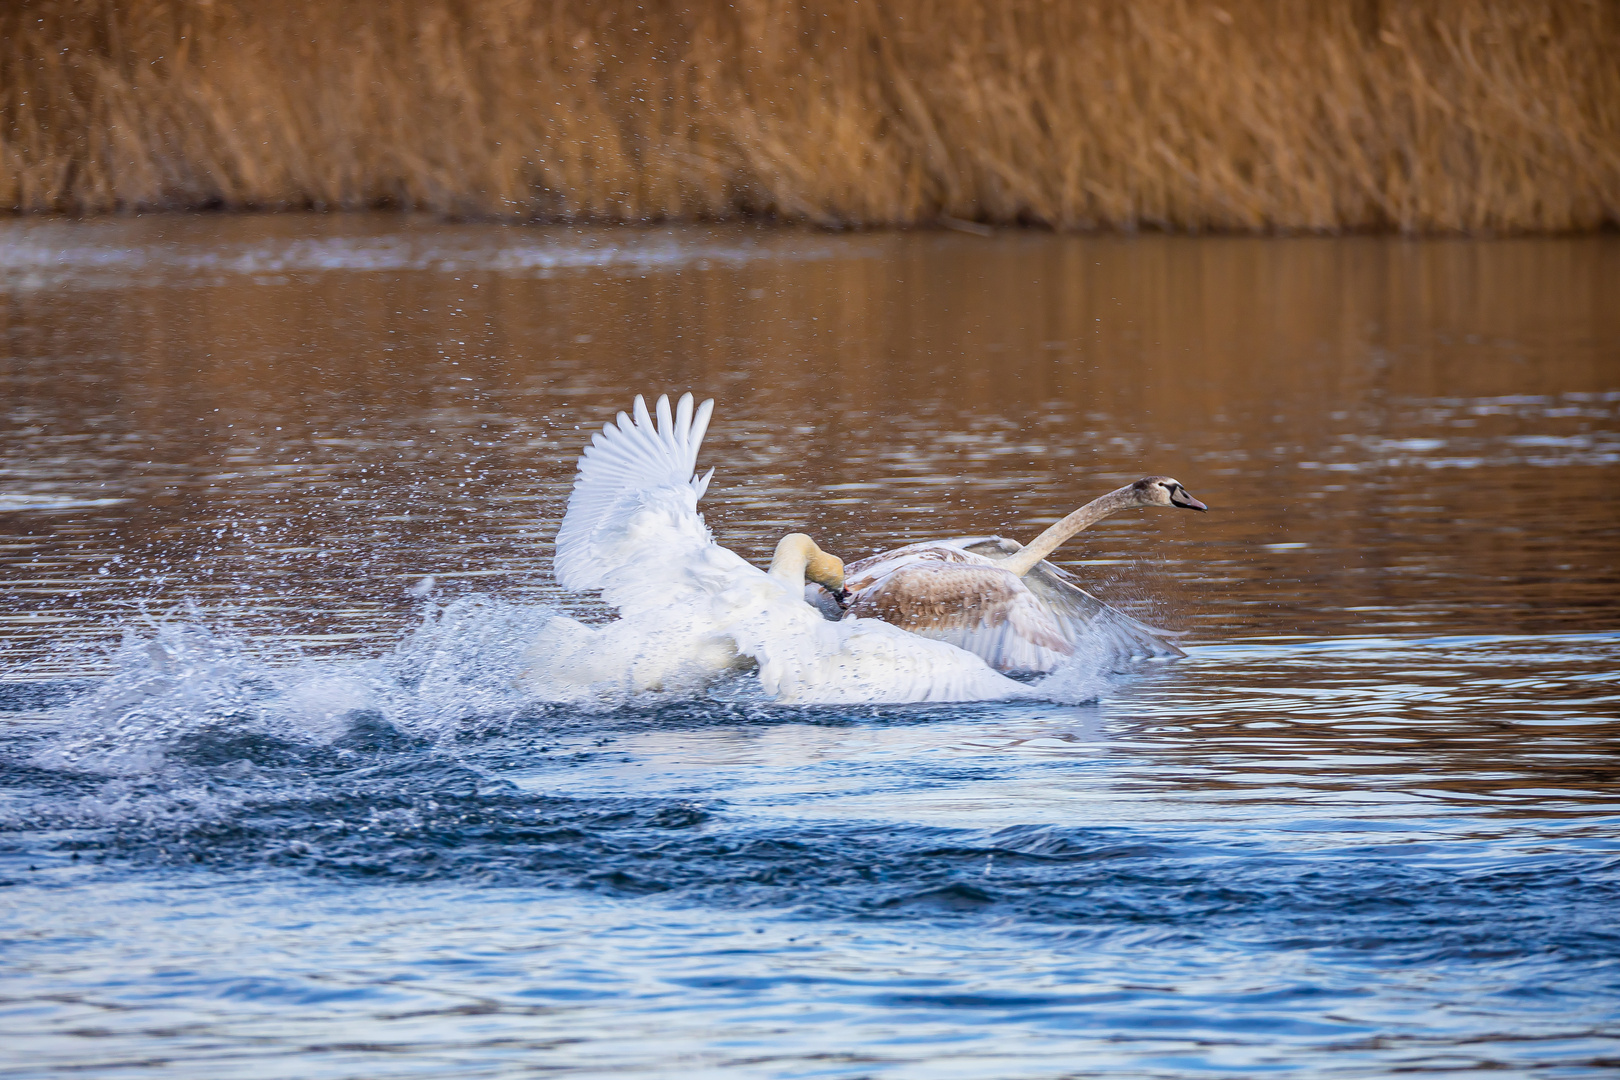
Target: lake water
<point>265,810</point>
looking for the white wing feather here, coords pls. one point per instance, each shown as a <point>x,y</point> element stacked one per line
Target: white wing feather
<point>635,492</point>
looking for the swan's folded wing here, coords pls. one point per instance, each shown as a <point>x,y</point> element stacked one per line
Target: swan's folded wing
<point>982,609</point>
<point>1085,619</point>
<point>865,661</point>
<point>635,495</point>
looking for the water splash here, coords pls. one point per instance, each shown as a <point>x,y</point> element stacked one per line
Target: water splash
<point>182,677</point>
<point>467,667</point>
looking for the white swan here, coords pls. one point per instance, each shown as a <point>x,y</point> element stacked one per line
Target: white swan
<point>691,611</point>
<point>1004,602</point>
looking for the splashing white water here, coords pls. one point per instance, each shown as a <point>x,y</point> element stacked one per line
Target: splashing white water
<point>462,668</point>
<point>179,676</point>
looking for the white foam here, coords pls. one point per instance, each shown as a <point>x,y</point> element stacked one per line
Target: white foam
<point>467,665</point>
<point>180,675</point>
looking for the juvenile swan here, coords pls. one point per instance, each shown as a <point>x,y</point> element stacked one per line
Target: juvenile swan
<point>1004,602</point>
<point>691,611</point>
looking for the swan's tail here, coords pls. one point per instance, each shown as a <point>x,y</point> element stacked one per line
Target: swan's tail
<point>627,461</point>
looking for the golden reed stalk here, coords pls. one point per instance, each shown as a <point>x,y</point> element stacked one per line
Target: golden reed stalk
<point>1426,116</point>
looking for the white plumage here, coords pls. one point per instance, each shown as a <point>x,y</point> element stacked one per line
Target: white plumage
<point>625,464</point>
<point>691,611</point>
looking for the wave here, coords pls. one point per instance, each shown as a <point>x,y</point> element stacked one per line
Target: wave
<point>464,669</point>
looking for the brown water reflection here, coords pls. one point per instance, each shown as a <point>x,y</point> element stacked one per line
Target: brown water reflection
<point>297,416</point>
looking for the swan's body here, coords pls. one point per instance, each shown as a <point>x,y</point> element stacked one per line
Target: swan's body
<point>691,611</point>
<point>1004,602</point>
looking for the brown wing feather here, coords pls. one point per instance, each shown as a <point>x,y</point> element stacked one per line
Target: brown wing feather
<point>937,597</point>
<point>1080,613</point>
<point>863,572</point>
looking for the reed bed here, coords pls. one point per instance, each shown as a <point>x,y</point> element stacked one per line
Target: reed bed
<point>1436,116</point>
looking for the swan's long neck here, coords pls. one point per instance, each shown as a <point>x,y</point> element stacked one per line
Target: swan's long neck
<point>1054,537</point>
<point>798,560</point>
<point>792,556</point>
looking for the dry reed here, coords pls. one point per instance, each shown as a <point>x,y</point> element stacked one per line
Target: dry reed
<point>1443,115</point>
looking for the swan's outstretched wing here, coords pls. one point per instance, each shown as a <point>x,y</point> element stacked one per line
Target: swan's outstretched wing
<point>980,608</point>
<point>634,503</point>
<point>1083,617</point>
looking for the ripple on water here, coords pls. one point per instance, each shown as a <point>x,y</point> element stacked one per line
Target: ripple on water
<point>295,819</point>
<point>1152,881</point>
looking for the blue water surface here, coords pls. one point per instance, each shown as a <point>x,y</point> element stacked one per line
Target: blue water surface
<point>1220,869</point>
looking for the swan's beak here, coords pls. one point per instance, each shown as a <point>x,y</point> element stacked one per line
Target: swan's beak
<point>1184,499</point>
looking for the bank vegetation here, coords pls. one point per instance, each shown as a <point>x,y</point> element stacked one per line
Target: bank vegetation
<point>1424,116</point>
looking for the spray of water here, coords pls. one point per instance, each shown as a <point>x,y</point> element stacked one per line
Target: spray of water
<point>467,666</point>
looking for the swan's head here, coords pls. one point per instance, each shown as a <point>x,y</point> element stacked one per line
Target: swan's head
<point>798,560</point>
<point>1164,491</point>
<point>825,570</point>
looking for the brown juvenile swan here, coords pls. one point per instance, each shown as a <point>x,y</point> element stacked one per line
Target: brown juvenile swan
<point>1004,602</point>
